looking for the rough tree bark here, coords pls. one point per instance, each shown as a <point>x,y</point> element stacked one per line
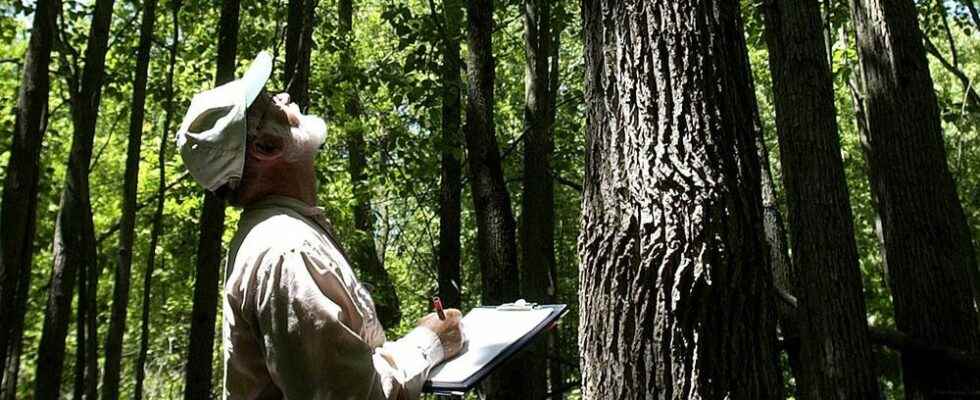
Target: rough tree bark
<point>363,250</point>
<point>200,351</point>
<point>495,234</point>
<point>835,349</point>
<point>676,293</point>
<point>127,231</point>
<point>20,188</point>
<point>451,183</point>
<point>537,220</point>
<point>73,246</point>
<point>157,227</point>
<point>926,237</point>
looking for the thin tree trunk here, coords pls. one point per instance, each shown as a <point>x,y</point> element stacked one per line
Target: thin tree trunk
<point>927,240</point>
<point>675,292</point>
<point>835,349</point>
<point>294,30</point>
<point>157,228</point>
<point>451,183</point>
<point>537,221</point>
<point>93,273</point>
<point>297,78</point>
<point>73,247</point>
<point>20,188</point>
<point>555,375</point>
<point>200,353</point>
<point>496,241</point>
<point>78,389</point>
<point>365,253</point>
<point>127,232</point>
<point>783,273</point>
<point>87,352</point>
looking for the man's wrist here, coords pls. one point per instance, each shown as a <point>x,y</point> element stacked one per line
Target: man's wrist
<point>427,342</point>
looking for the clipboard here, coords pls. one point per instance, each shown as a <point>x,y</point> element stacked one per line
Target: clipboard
<point>498,357</point>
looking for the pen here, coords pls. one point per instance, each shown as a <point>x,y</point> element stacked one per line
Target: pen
<point>437,304</point>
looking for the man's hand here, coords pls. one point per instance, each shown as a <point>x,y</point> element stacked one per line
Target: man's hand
<point>448,330</point>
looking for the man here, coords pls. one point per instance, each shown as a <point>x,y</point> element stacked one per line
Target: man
<point>297,323</point>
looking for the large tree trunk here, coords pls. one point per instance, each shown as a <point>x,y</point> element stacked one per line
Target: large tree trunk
<point>157,228</point>
<point>451,183</point>
<point>364,252</point>
<point>927,239</point>
<point>127,230</point>
<point>835,349</point>
<point>537,221</point>
<point>200,352</point>
<point>74,239</point>
<point>495,226</point>
<point>676,293</point>
<point>20,188</point>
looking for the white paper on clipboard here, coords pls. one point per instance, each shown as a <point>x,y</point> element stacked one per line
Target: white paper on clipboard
<point>489,333</point>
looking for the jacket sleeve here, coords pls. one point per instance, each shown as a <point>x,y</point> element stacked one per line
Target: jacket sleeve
<point>308,327</point>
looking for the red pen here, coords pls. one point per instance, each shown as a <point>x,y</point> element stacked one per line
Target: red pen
<point>437,304</point>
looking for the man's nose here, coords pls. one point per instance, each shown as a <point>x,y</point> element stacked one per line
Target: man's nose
<point>282,98</point>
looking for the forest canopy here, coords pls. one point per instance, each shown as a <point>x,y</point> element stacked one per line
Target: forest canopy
<point>772,176</point>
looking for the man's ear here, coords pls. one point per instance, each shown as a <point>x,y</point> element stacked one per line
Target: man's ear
<point>267,147</point>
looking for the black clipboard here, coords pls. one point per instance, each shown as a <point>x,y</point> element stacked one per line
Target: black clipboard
<point>456,388</point>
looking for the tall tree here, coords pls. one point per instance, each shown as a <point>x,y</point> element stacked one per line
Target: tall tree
<point>74,238</point>
<point>835,348</point>
<point>299,45</point>
<point>200,352</point>
<point>364,252</point>
<point>537,221</point>
<point>495,226</point>
<point>294,30</point>
<point>127,230</point>
<point>450,166</point>
<point>928,251</point>
<point>675,294</point>
<point>20,189</point>
<point>157,227</point>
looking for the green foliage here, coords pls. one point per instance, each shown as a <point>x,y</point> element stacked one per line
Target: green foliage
<point>396,46</point>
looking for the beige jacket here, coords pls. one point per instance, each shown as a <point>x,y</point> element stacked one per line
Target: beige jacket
<point>299,325</point>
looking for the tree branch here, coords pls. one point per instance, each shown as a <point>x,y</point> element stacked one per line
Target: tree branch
<point>971,94</point>
<point>973,11</point>
<point>902,342</point>
<point>567,182</point>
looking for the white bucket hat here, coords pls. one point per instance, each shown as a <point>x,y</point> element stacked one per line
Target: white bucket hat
<point>211,138</point>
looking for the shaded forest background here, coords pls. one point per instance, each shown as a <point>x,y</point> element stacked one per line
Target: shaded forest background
<point>395,49</point>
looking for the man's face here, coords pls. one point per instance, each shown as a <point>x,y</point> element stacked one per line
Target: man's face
<point>268,117</point>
